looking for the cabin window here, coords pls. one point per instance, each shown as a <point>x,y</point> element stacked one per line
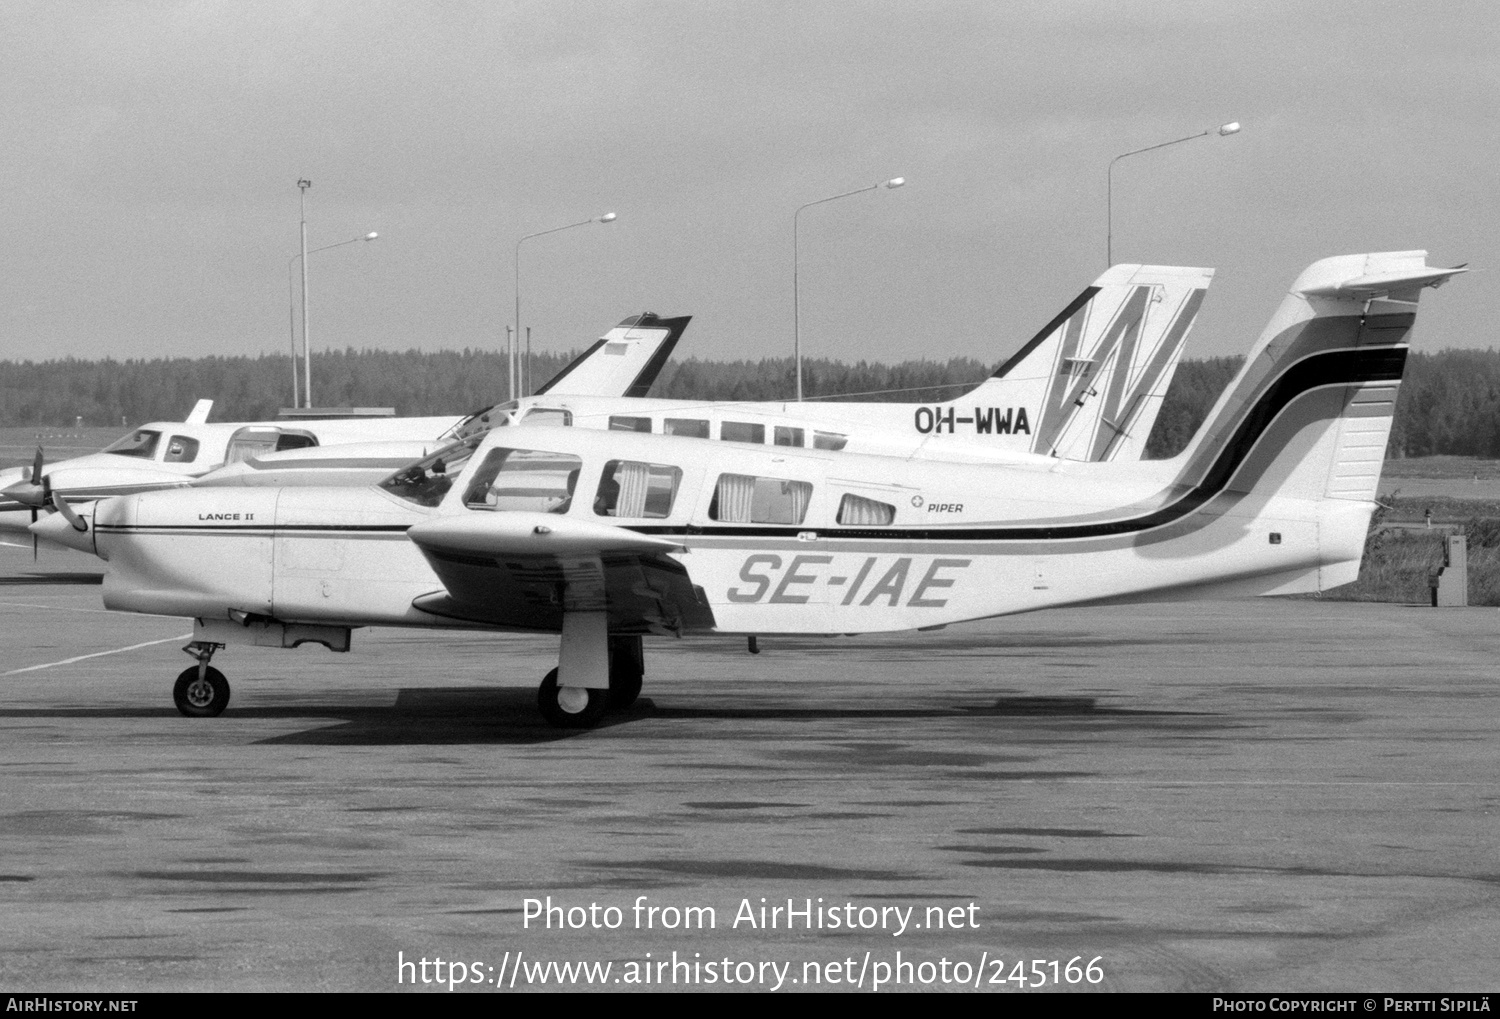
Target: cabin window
<point>693,428</point>
<point>524,480</point>
<point>427,481</point>
<point>857,511</point>
<point>741,431</point>
<point>181,450</point>
<point>742,499</point>
<point>829,440</point>
<point>789,436</point>
<point>631,489</point>
<point>554,416</point>
<point>140,443</point>
<point>619,423</point>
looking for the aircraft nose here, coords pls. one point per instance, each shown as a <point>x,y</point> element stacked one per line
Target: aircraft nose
<point>24,492</point>
<point>55,527</point>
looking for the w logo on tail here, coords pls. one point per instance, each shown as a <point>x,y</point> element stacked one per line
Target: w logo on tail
<point>1116,357</point>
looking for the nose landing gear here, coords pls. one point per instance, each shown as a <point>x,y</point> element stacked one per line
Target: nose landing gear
<point>201,691</point>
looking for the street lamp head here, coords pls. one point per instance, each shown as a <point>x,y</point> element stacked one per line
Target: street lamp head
<point>894,182</point>
<point>1229,129</point>
<point>371,235</point>
<point>608,217</point>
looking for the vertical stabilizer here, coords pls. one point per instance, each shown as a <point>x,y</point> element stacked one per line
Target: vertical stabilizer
<point>1309,414</point>
<point>625,362</point>
<point>1093,379</point>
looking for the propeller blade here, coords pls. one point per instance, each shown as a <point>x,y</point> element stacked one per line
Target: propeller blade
<point>34,538</point>
<point>36,465</point>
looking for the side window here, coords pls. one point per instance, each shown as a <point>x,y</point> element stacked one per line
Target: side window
<point>742,499</point>
<point>181,450</point>
<point>789,436</point>
<point>829,440</point>
<point>691,427</point>
<point>619,423</point>
<point>740,431</point>
<point>553,416</point>
<point>631,489</point>
<point>526,480</point>
<point>858,511</point>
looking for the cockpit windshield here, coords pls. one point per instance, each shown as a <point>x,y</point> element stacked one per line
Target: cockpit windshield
<point>427,481</point>
<point>139,443</point>
<point>482,421</point>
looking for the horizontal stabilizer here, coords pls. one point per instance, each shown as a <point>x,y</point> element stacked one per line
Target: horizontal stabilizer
<point>1389,277</point>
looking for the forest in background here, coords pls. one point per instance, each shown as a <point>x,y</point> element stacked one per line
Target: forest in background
<point>1449,402</point>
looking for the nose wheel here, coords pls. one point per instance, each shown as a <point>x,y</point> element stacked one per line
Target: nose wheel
<point>201,696</point>
<point>201,691</point>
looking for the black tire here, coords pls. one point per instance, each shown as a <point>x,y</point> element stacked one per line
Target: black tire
<point>556,714</point>
<point>204,699</point>
<point>624,688</point>
<point>626,671</point>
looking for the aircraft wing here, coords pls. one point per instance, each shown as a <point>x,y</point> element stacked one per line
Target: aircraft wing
<point>625,362</point>
<point>525,570</point>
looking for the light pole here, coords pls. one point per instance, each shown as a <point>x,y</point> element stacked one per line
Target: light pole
<point>292,302</point>
<point>302,186</point>
<point>514,340</point>
<point>894,182</point>
<point>1109,229</point>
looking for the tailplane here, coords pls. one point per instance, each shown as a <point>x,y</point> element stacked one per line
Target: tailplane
<point>1090,384</point>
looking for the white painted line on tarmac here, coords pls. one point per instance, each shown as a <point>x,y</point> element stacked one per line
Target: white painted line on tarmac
<point>96,654</point>
<point>50,608</point>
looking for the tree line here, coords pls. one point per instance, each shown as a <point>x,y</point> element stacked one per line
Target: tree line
<point>1449,402</point>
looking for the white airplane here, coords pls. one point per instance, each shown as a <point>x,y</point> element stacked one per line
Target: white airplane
<point>1088,386</point>
<point>173,454</point>
<point>607,536</point>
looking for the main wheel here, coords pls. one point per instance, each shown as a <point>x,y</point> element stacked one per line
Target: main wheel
<point>624,688</point>
<point>570,707</point>
<point>201,698</point>
<point>627,667</point>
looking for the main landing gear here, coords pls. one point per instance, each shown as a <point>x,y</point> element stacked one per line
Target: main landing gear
<point>575,707</point>
<point>201,691</point>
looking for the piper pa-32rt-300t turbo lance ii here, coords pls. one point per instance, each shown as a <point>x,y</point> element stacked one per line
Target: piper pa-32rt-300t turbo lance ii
<point>608,536</point>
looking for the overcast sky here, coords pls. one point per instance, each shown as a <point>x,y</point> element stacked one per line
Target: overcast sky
<point>150,155</point>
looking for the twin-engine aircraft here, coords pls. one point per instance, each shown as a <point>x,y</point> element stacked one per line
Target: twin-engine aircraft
<point>1088,386</point>
<point>174,454</point>
<point>605,537</point>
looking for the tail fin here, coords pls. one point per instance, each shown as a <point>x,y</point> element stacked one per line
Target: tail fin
<point>1092,381</point>
<point>624,363</point>
<point>1309,415</point>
